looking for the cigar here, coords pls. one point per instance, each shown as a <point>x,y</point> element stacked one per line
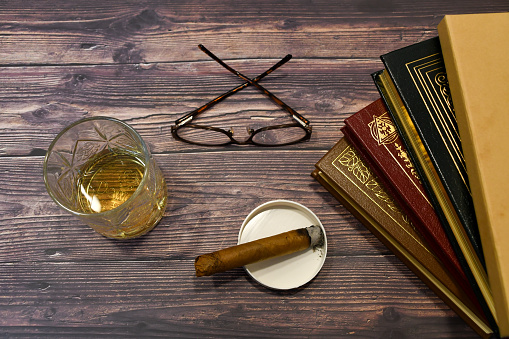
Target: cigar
<point>258,250</point>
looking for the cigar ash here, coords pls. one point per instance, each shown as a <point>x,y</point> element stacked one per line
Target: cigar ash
<point>317,238</point>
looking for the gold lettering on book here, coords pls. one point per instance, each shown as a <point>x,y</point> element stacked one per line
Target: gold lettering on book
<point>408,163</point>
<point>380,193</point>
<point>384,131</point>
<point>361,172</point>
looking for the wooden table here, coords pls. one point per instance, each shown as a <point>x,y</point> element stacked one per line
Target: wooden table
<point>138,61</point>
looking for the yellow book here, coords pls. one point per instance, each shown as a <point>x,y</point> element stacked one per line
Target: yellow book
<point>475,48</point>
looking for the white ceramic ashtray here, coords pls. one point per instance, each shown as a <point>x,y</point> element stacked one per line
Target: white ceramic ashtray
<point>289,271</point>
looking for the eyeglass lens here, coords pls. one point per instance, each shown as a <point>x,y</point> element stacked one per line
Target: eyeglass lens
<point>279,135</point>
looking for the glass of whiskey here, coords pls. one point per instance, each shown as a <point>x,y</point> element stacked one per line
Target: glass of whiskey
<point>100,170</point>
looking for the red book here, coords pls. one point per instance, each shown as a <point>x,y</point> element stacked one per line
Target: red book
<point>373,133</point>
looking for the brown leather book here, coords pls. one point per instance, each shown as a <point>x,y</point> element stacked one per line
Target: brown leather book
<point>342,172</point>
<point>374,135</point>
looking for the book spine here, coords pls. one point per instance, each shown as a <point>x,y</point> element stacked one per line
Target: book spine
<point>372,132</point>
<point>459,240</point>
<point>343,173</point>
<point>426,276</point>
<point>419,79</point>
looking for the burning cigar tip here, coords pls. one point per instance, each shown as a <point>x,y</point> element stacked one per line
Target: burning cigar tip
<point>316,235</point>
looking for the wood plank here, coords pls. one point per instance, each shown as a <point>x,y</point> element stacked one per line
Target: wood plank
<point>33,32</point>
<point>40,101</point>
<point>203,215</point>
<point>160,298</point>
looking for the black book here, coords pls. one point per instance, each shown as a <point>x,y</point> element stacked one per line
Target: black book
<point>415,88</point>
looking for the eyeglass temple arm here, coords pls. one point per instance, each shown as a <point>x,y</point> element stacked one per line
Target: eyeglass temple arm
<point>303,121</point>
<point>220,98</point>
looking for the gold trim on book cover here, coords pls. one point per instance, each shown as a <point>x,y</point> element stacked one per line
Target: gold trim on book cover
<point>430,80</point>
<point>387,86</point>
<point>382,125</point>
<point>349,159</point>
<point>416,264</point>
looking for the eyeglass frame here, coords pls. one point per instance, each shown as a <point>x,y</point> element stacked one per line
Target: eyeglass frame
<point>300,120</point>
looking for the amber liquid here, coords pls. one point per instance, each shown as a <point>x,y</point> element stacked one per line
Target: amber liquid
<point>108,180</point>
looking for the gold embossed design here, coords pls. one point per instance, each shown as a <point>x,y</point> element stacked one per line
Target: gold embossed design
<point>403,154</point>
<point>353,163</point>
<point>350,160</point>
<point>382,129</point>
<point>443,88</point>
<point>430,79</point>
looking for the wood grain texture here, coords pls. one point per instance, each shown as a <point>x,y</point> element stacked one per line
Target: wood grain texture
<point>40,101</point>
<point>156,31</point>
<point>138,61</point>
<point>204,211</point>
<point>162,298</point>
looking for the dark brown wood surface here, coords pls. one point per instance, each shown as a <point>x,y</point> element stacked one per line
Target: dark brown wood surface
<point>138,61</point>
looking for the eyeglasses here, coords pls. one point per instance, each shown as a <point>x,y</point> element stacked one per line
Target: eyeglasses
<point>276,135</point>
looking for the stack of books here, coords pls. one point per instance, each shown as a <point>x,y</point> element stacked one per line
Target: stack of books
<point>428,177</point>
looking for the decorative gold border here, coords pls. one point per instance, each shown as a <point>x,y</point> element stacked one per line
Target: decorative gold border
<point>424,73</point>
<point>365,178</point>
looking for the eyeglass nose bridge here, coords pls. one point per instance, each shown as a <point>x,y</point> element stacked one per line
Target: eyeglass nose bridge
<point>247,141</point>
